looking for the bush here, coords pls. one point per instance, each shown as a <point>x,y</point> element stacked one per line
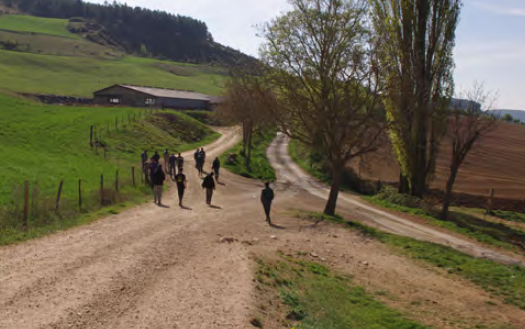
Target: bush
<point>391,195</point>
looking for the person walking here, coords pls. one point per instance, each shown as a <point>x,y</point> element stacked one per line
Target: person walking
<point>196,158</point>
<point>156,156</point>
<point>267,197</point>
<point>208,183</point>
<point>152,169</point>
<point>172,165</point>
<point>216,166</point>
<point>158,184</point>
<point>180,162</point>
<point>144,158</point>
<point>182,184</point>
<point>166,159</point>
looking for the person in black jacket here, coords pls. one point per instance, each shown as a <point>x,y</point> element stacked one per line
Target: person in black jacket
<point>216,166</point>
<point>209,184</point>
<point>267,196</point>
<point>158,184</point>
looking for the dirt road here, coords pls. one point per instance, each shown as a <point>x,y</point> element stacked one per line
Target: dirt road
<point>290,173</point>
<point>154,267</point>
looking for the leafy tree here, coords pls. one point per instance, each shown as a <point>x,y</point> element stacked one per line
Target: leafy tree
<point>322,71</point>
<point>415,40</point>
<point>245,99</point>
<point>507,118</point>
<point>466,127</point>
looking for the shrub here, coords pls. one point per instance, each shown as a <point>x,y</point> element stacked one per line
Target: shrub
<point>391,195</point>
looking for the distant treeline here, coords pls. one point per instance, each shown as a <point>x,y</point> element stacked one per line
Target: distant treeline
<point>139,30</point>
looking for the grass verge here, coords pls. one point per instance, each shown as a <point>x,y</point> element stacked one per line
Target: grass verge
<point>314,297</point>
<point>490,233</point>
<point>506,282</point>
<point>260,167</point>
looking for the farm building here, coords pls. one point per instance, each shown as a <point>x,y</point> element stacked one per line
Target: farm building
<point>137,96</point>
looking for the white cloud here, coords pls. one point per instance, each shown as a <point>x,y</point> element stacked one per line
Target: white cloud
<point>509,8</point>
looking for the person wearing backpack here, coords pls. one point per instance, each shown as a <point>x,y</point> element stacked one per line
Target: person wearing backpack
<point>208,183</point>
<point>267,197</point>
<point>158,184</point>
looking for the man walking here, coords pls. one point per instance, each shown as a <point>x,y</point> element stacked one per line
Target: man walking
<point>215,167</point>
<point>267,196</point>
<point>180,162</point>
<point>209,184</point>
<point>144,158</point>
<point>172,165</point>
<point>156,156</point>
<point>158,184</point>
<point>152,170</point>
<point>166,159</point>
<point>182,184</point>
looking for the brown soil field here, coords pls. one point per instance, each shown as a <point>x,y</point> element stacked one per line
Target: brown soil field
<point>497,161</point>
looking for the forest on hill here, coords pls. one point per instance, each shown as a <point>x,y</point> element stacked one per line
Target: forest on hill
<point>138,30</point>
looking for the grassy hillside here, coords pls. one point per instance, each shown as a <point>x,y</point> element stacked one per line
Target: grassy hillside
<point>80,76</point>
<point>23,23</point>
<point>49,143</point>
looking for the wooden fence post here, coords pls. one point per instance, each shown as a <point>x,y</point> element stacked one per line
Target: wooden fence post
<point>91,137</point>
<point>490,202</point>
<point>116,123</point>
<point>26,202</point>
<point>116,181</point>
<point>80,195</point>
<point>133,176</point>
<point>58,195</point>
<point>102,189</point>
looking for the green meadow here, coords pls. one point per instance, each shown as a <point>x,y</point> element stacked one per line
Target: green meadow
<point>45,144</point>
<point>24,23</point>
<point>81,76</point>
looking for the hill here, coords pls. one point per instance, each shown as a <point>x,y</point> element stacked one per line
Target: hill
<point>80,76</point>
<point>516,114</point>
<point>133,29</point>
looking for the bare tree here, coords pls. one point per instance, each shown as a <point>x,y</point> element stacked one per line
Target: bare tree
<point>323,72</point>
<point>246,98</point>
<point>468,123</point>
<point>415,41</point>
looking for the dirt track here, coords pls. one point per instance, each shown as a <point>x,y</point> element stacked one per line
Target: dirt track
<point>152,267</point>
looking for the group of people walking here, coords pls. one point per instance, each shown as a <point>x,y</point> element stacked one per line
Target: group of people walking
<point>155,175</point>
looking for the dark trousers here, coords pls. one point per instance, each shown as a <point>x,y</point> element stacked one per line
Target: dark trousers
<point>267,205</point>
<point>216,171</point>
<point>180,189</point>
<point>209,194</point>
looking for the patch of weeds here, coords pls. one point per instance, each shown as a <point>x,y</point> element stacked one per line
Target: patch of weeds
<point>314,297</point>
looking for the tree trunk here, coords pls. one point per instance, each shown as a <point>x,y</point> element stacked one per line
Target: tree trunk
<point>331,204</point>
<point>404,187</point>
<point>248,158</point>
<point>448,193</point>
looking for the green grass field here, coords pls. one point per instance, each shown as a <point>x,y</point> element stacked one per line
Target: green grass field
<point>49,143</point>
<point>81,76</point>
<point>50,26</point>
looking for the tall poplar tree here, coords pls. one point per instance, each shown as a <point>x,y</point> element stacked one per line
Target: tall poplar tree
<point>415,41</point>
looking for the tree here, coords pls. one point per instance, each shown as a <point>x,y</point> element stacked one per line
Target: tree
<point>507,118</point>
<point>323,72</point>
<point>466,127</point>
<point>415,40</point>
<point>246,98</point>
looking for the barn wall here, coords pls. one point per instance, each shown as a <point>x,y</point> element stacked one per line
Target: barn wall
<point>127,97</point>
<point>183,104</point>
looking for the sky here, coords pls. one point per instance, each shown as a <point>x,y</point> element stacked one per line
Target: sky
<point>490,38</point>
